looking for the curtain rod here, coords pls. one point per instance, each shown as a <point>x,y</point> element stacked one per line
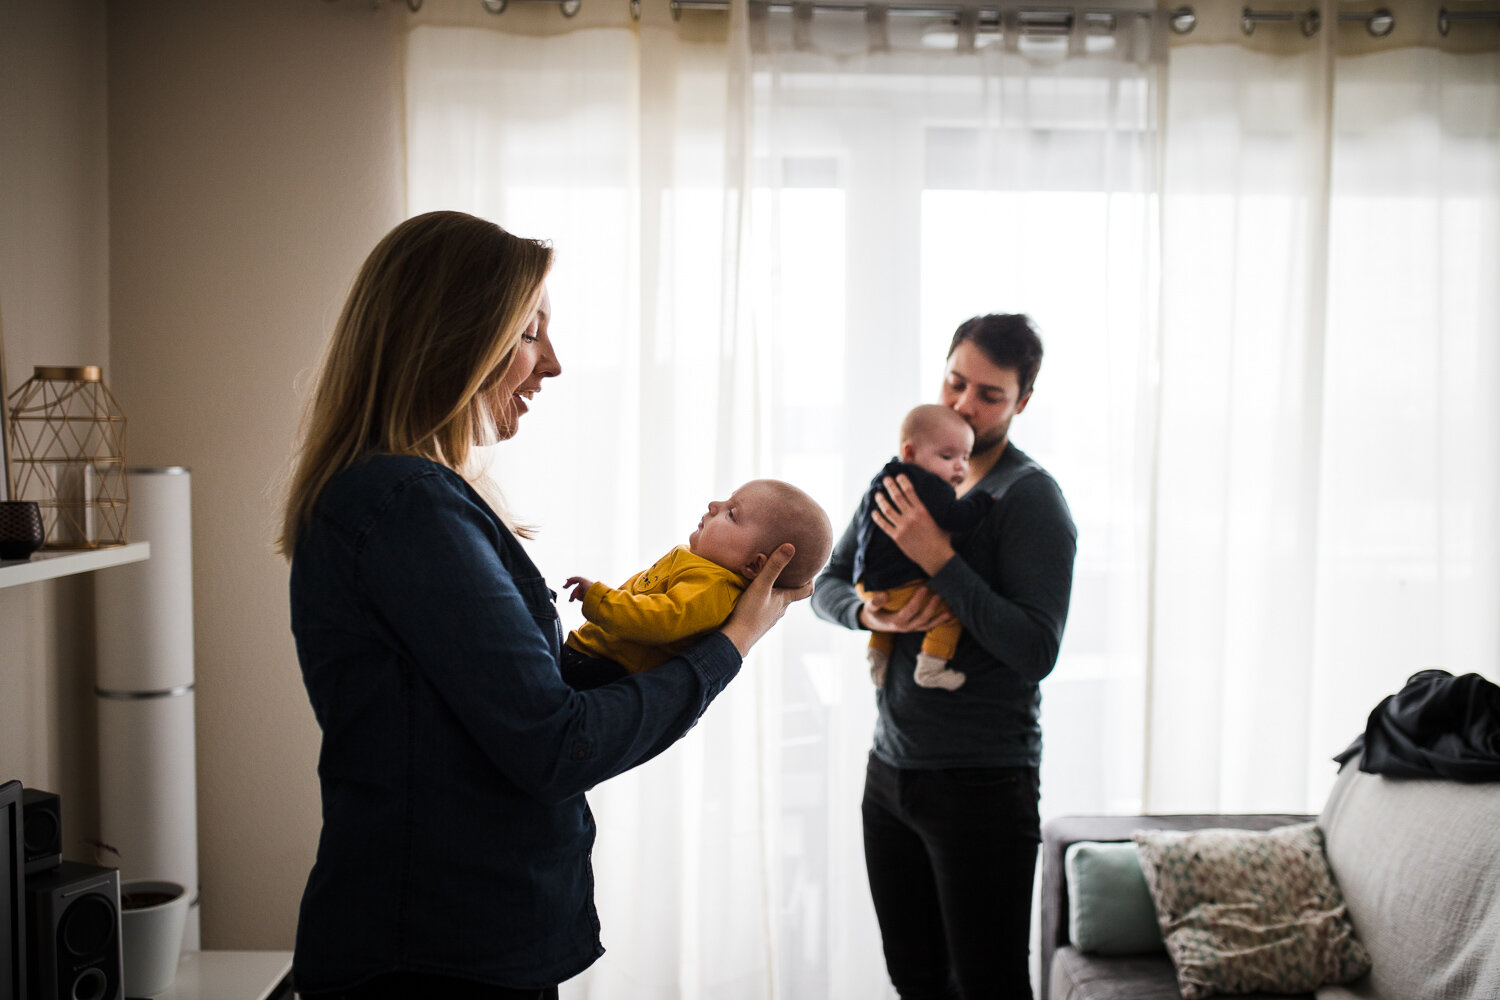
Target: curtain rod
<point>1446,17</point>
<point>1378,23</point>
<point>1182,19</point>
<point>1028,14</point>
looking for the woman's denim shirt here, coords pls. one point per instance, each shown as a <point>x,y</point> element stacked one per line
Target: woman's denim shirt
<point>455,833</point>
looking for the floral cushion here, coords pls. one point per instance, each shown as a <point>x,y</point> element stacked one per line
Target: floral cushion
<point>1247,911</point>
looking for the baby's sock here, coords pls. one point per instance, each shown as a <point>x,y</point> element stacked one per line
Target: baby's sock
<point>933,672</point>
<point>879,659</point>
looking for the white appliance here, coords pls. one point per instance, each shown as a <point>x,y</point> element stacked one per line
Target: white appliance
<point>143,614</point>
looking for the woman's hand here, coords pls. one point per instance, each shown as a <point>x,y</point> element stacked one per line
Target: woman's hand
<point>923,611</point>
<point>580,587</point>
<point>763,603</point>
<point>900,513</point>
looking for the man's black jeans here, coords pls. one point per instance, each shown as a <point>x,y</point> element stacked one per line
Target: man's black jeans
<point>951,855</point>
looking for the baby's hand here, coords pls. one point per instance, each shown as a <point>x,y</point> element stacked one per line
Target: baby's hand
<point>580,587</point>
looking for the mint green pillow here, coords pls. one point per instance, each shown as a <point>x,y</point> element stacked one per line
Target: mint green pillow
<point>1110,911</point>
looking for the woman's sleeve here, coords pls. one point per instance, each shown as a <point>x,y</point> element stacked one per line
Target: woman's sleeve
<point>430,569</point>
<point>1019,620</point>
<point>834,597</point>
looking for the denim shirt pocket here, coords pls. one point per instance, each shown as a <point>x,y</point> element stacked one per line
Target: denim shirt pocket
<point>539,600</point>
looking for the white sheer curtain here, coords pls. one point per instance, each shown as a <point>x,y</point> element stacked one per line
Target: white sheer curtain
<point>610,140</point>
<point>1327,497</point>
<point>909,176</point>
<point>920,186</point>
<point>1265,279</point>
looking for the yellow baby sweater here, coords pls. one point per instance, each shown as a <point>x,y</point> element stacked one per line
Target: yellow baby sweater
<point>658,612</point>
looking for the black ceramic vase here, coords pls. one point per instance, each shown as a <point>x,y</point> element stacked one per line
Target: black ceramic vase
<point>20,529</point>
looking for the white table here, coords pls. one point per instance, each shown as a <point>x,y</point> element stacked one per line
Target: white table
<point>229,975</point>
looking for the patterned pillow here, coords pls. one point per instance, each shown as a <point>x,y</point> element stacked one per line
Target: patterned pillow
<point>1247,911</point>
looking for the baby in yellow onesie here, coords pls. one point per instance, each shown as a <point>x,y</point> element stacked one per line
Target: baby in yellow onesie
<point>692,589</point>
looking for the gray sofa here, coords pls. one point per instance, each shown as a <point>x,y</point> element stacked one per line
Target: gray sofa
<point>1418,862</point>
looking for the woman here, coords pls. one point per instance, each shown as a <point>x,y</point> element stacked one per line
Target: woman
<point>454,856</point>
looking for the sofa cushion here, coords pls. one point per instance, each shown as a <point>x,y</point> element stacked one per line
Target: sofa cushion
<point>1418,861</point>
<point>1076,976</point>
<point>1244,910</point>
<point>1061,831</point>
<point>1109,907</point>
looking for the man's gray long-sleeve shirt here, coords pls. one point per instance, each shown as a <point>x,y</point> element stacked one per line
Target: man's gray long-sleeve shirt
<point>1009,585</point>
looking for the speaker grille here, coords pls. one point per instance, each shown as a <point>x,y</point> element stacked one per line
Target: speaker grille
<point>87,927</point>
<point>41,830</point>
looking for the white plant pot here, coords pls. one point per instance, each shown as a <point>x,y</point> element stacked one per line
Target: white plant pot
<point>151,936</point>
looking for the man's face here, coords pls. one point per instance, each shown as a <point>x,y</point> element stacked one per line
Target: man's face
<point>983,393</point>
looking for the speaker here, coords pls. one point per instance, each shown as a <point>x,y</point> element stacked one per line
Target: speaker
<point>73,933</point>
<point>41,830</point>
<point>12,895</point>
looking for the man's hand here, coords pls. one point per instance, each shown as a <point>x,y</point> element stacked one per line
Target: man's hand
<point>924,611</point>
<point>900,513</point>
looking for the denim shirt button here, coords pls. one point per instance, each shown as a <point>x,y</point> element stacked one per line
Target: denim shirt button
<point>581,750</point>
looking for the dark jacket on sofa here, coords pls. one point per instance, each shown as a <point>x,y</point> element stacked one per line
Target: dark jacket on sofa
<point>1437,726</point>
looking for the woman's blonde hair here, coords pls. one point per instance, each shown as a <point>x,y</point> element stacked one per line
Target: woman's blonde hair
<point>434,318</point>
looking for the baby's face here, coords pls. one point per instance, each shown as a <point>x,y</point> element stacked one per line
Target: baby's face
<point>942,451</point>
<point>732,531</point>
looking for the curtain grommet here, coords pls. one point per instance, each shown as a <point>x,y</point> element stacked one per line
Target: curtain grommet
<point>1380,23</point>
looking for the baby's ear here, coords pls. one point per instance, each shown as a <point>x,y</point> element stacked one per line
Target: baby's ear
<point>908,450</point>
<point>753,566</point>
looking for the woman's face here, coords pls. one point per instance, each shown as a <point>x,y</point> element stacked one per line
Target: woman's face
<point>534,360</point>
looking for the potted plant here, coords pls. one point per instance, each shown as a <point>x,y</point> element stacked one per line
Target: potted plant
<point>153,913</point>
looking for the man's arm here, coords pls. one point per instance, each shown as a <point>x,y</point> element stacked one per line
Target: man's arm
<point>1019,621</point>
<point>834,597</point>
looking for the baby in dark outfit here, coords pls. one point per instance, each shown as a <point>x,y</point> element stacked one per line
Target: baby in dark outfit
<point>934,456</point>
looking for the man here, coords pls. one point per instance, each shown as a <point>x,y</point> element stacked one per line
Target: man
<point>950,805</point>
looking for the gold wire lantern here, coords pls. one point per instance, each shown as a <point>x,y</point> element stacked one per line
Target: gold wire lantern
<point>67,439</point>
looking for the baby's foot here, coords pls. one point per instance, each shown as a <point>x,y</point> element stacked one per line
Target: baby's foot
<point>879,659</point>
<point>933,672</point>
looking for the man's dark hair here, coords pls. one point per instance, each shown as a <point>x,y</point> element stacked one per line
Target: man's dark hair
<point>1009,340</point>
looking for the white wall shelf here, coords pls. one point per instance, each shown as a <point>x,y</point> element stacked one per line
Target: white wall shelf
<point>50,564</point>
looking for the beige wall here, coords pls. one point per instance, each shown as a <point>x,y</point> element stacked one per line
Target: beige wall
<point>54,308</point>
<point>254,157</point>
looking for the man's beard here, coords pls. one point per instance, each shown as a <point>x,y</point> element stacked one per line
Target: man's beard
<point>991,440</point>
